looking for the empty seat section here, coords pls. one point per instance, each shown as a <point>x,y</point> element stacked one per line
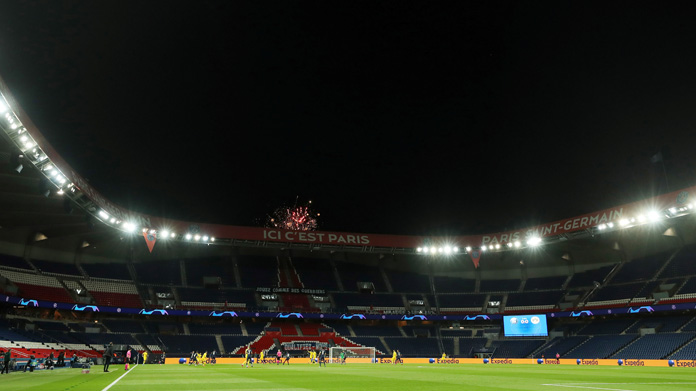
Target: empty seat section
<point>587,278</point>
<point>56,267</point>
<point>123,326</point>
<point>215,328</point>
<point>548,298</point>
<point>364,301</point>
<point>232,343</point>
<point>115,271</point>
<point>516,348</point>
<point>609,326</point>
<point>185,344</point>
<point>218,267</point>
<point>315,273</point>
<point>453,302</point>
<point>257,271</point>
<point>689,286</point>
<point>654,346</point>
<point>352,275</point>
<point>444,284</point>
<point>510,285</point>
<point>467,346</point>
<point>15,262</point>
<point>617,292</point>
<point>376,331</point>
<point>641,269</point>
<point>408,282</point>
<point>688,352</point>
<point>159,272</point>
<point>32,286</point>
<point>544,283</point>
<point>414,347</point>
<point>683,264</point>
<point>562,346</point>
<point>601,346</point>
<point>111,293</point>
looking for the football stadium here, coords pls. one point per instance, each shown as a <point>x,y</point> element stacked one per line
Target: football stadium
<point>98,296</point>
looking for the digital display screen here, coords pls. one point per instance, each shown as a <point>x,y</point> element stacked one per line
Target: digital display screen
<point>525,326</point>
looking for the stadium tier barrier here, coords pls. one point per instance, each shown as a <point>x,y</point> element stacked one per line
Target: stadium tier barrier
<point>494,361</point>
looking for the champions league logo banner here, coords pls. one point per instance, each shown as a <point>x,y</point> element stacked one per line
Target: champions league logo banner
<point>150,239</point>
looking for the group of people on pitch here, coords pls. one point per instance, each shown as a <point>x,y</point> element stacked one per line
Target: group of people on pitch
<point>396,357</point>
<point>202,358</point>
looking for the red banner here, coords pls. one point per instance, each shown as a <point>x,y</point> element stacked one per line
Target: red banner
<point>475,257</point>
<point>150,239</point>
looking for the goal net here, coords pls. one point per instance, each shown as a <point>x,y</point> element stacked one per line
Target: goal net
<point>351,352</point>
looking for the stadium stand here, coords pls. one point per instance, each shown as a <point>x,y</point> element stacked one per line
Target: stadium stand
<point>115,271</point>
<point>408,282</point>
<point>38,287</point>
<point>682,264</point>
<point>516,348</point>
<point>315,273</point>
<point>589,277</point>
<point>258,271</point>
<point>601,346</point>
<point>351,276</point>
<point>216,267</point>
<point>444,284</point>
<point>499,285</point>
<point>545,283</point>
<point>654,346</point>
<point>414,347</point>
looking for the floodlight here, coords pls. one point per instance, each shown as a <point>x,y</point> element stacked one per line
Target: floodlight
<point>129,227</point>
<point>13,126</point>
<point>535,241</point>
<point>483,248</point>
<point>426,250</point>
<point>497,246</point>
<point>212,239</point>
<point>3,108</point>
<point>641,218</point>
<point>60,192</point>
<point>602,227</point>
<point>433,250</point>
<point>672,210</point>
<point>624,222</point>
<point>419,249</point>
<point>448,249</point>
<point>653,216</point>
<point>455,249</point>
<point>152,231</point>
<point>188,236</point>
<point>205,238</point>
<point>172,235</point>
<point>610,225</point>
<point>468,248</point>
<point>517,243</point>
<point>103,215</point>
<point>689,206</point>
<point>23,139</point>
<point>48,167</point>
<point>113,220</point>
<point>144,230</point>
<point>197,237</point>
<point>165,234</point>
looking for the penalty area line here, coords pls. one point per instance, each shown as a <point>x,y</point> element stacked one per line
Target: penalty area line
<point>119,378</point>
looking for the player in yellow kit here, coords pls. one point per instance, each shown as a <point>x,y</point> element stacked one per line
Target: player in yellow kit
<point>394,356</point>
<point>145,357</point>
<point>261,357</point>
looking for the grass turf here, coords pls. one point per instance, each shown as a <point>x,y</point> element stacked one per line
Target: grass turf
<point>358,377</point>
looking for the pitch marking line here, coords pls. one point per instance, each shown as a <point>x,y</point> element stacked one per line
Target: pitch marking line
<point>119,378</point>
<point>587,385</point>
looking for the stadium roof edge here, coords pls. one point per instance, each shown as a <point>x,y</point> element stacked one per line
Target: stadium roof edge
<point>17,127</point>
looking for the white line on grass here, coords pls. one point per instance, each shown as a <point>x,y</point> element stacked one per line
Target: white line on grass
<point>119,378</point>
<point>586,387</point>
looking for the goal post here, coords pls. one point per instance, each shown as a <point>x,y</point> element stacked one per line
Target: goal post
<point>351,352</point>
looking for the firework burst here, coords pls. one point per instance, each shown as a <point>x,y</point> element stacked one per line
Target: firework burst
<point>295,218</point>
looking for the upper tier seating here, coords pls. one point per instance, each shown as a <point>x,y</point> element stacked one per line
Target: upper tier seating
<point>115,271</point>
<point>408,282</point>
<point>452,302</point>
<point>112,293</point>
<point>377,300</point>
<point>543,298</point>
<point>258,271</point>
<point>683,264</point>
<point>315,273</point>
<point>185,344</point>
<point>221,267</point>
<point>351,276</point>
<point>376,331</point>
<point>468,345</point>
<point>159,272</point>
<point>444,284</point>
<point>641,269</point>
<point>617,292</point>
<point>688,352</point>
<point>608,326</point>
<point>510,285</point>
<point>215,328</point>
<point>544,283</point>
<point>588,277</point>
<point>15,262</point>
<point>56,267</point>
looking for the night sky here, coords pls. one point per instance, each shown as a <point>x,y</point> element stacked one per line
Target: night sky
<point>403,117</point>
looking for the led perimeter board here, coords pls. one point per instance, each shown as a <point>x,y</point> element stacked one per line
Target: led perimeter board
<point>525,326</point>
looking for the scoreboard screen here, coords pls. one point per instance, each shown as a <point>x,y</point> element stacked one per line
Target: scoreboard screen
<point>525,326</point>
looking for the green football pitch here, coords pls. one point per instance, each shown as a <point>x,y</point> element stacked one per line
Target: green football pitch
<point>358,377</point>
